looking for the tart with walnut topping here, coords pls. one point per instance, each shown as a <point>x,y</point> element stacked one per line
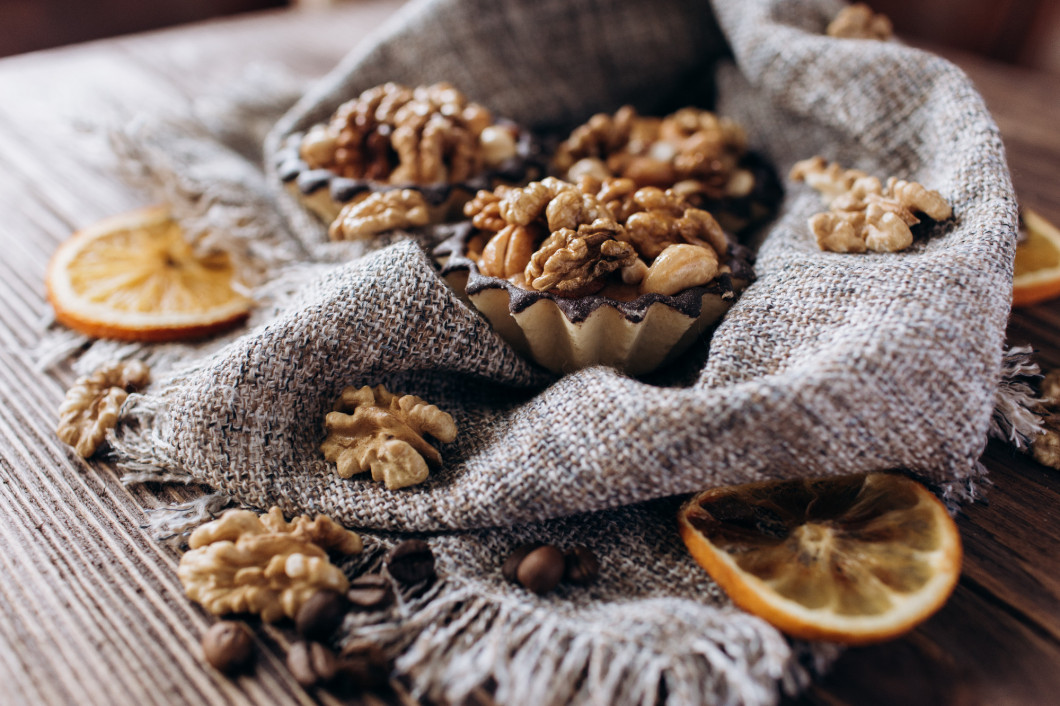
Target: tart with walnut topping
<point>599,272</point>
<point>430,139</point>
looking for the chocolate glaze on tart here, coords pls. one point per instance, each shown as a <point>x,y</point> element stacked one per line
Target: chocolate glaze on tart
<point>325,192</point>
<point>563,334</point>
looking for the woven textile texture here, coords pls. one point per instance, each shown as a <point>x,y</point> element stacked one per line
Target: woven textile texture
<point>828,363</point>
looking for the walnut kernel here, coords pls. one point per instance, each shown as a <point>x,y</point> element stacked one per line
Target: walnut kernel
<point>91,406</point>
<point>573,262</point>
<point>863,213</point>
<point>380,212</point>
<point>245,563</point>
<point>395,134</point>
<point>374,429</point>
<point>497,144</point>
<point>858,21</point>
<point>680,267</point>
<point>508,252</point>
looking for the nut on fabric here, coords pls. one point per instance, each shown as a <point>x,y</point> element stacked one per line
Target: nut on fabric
<point>374,429</point>
<point>320,615</point>
<point>541,569</point>
<point>246,563</point>
<point>865,214</point>
<point>411,562</point>
<point>91,406</point>
<point>858,21</point>
<point>581,565</point>
<point>380,212</point>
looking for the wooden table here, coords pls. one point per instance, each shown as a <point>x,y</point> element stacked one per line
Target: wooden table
<point>90,607</point>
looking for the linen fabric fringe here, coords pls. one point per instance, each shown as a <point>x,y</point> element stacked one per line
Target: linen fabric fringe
<point>828,364</point>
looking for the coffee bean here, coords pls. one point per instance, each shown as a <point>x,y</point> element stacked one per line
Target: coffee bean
<point>511,565</point>
<point>542,569</point>
<point>228,646</point>
<point>581,565</point>
<point>311,663</point>
<point>411,562</point>
<point>320,615</point>
<point>369,592</point>
<point>364,665</point>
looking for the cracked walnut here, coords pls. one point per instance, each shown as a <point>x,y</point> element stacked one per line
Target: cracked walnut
<point>865,214</point>
<point>92,405</point>
<point>246,563</point>
<point>374,429</point>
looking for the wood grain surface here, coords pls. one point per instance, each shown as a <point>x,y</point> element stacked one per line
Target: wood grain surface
<point>91,611</point>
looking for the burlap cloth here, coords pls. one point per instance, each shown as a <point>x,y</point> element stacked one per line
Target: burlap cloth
<point>828,363</point>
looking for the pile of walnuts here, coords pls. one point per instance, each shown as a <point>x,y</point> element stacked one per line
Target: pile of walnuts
<point>693,150</point>
<point>864,213</point>
<point>572,239</point>
<point>400,135</point>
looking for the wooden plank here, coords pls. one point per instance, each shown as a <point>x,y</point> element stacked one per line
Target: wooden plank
<point>970,653</point>
<point>97,613</point>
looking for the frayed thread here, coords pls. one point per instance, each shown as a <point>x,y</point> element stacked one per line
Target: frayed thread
<point>457,639</point>
<point>140,445</point>
<point>173,523</point>
<point>1015,420</point>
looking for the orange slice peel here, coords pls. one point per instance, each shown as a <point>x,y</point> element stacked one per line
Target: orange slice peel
<point>1036,271</point>
<point>135,277</point>
<point>855,560</point>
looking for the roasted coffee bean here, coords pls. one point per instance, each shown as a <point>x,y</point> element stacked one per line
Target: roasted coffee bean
<point>364,665</point>
<point>511,565</point>
<point>320,615</point>
<point>542,569</point>
<point>228,646</point>
<point>581,565</point>
<point>411,562</point>
<point>311,663</point>
<point>369,592</point>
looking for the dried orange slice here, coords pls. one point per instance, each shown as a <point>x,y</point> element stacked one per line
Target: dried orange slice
<point>1036,275</point>
<point>134,277</point>
<point>856,559</point>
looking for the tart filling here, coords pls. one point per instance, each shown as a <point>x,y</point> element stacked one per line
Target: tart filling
<point>600,273</point>
<point>699,155</point>
<point>431,139</point>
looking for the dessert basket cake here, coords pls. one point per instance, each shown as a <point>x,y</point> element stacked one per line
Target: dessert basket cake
<point>599,273</point>
<point>429,139</point>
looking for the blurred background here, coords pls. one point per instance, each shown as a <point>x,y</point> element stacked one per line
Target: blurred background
<point>1022,32</point>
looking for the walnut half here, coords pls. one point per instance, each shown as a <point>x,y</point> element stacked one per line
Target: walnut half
<point>374,429</point>
<point>574,262</point>
<point>91,406</point>
<point>245,563</point>
<point>863,213</point>
<point>380,212</point>
<point>858,21</point>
